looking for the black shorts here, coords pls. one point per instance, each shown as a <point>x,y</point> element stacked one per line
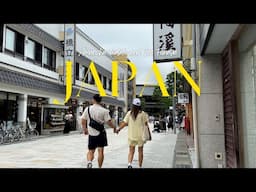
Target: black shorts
<point>97,141</point>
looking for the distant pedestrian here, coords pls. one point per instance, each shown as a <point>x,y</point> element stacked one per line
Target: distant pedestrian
<point>93,120</point>
<point>169,122</point>
<point>182,125</point>
<point>68,122</point>
<point>136,120</point>
<point>79,122</point>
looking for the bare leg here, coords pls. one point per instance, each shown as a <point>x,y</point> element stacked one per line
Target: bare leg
<point>90,154</point>
<point>100,156</point>
<point>140,150</point>
<point>131,154</point>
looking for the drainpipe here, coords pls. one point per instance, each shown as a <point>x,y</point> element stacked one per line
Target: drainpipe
<point>194,97</point>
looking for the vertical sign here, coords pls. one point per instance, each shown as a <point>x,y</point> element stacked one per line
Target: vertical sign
<point>167,42</point>
<point>69,49</point>
<point>183,98</point>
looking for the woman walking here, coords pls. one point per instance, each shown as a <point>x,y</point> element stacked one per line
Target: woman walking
<point>136,120</point>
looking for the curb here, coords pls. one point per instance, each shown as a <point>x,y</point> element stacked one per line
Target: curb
<point>181,158</point>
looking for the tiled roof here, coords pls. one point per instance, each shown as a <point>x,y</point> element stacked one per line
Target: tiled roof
<point>27,81</point>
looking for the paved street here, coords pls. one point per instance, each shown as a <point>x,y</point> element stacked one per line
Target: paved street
<point>69,152</point>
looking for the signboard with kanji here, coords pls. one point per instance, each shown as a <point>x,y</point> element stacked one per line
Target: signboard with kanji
<point>69,47</point>
<point>183,98</point>
<point>167,42</point>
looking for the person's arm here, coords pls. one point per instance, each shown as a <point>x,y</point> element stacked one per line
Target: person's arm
<point>84,122</point>
<point>84,126</point>
<point>124,122</point>
<point>107,120</point>
<point>110,124</point>
<point>121,126</point>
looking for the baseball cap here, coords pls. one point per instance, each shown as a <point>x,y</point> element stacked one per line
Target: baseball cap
<point>136,102</point>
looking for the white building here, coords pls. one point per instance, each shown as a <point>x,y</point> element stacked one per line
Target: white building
<point>31,75</point>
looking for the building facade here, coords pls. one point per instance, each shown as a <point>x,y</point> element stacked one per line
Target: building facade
<point>227,127</point>
<point>128,86</point>
<point>31,75</point>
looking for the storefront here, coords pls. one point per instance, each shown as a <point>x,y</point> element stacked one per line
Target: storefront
<point>239,98</point>
<point>8,102</point>
<point>52,118</point>
<point>73,106</point>
<point>34,107</point>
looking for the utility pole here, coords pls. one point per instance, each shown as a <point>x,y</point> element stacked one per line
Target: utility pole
<point>174,101</point>
<point>194,97</point>
<point>174,114</point>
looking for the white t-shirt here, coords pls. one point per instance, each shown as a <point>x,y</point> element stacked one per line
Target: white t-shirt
<point>98,113</point>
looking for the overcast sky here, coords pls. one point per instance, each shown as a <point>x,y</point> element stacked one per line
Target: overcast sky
<point>136,40</point>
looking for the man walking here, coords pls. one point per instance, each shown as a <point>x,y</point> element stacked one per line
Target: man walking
<point>93,120</point>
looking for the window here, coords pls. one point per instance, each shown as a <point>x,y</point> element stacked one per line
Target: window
<point>104,82</point>
<point>100,77</point>
<point>121,85</point>
<point>30,49</point>
<point>77,71</point>
<point>49,59</point>
<point>38,52</point>
<point>1,36</point>
<point>8,102</point>
<point>110,84</point>
<point>33,51</point>
<point>81,72</point>
<point>91,79</point>
<point>85,71</point>
<point>10,40</point>
<point>19,45</point>
<point>14,41</point>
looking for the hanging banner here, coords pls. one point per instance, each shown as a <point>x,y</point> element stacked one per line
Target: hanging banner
<point>167,42</point>
<point>69,49</point>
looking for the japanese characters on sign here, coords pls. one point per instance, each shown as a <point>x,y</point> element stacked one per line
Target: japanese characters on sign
<point>69,47</point>
<point>167,42</point>
<point>183,98</point>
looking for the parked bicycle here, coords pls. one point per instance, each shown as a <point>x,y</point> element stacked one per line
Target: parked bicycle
<point>15,132</point>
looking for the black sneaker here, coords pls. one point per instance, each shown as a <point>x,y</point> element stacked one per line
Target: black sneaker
<point>129,167</point>
<point>89,165</point>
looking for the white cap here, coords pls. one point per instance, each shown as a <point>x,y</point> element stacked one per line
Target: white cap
<point>136,102</point>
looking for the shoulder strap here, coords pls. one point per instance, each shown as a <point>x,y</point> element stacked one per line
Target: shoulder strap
<point>89,113</point>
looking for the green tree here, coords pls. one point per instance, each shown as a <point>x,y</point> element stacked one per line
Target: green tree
<point>165,101</point>
<point>181,83</point>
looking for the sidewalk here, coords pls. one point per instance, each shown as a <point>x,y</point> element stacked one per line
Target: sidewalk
<point>182,155</point>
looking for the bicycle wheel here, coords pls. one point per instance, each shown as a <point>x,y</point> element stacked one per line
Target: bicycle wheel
<point>1,139</point>
<point>10,138</point>
<point>35,133</point>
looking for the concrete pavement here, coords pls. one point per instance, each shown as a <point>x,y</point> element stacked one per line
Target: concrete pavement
<point>70,152</point>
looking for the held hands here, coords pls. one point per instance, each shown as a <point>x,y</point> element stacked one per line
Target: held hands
<point>117,130</point>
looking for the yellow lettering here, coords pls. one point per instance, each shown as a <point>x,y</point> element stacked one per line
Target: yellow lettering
<point>97,79</point>
<point>68,80</point>
<point>160,80</point>
<point>183,71</point>
<point>115,75</point>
